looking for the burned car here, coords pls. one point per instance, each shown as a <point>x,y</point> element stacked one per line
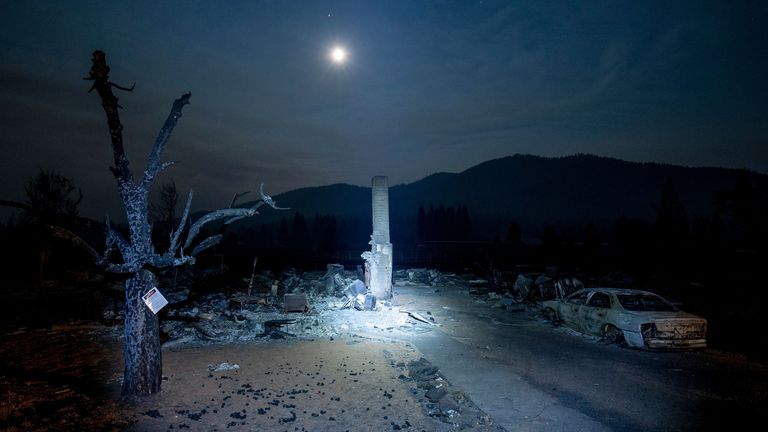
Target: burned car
<point>638,318</point>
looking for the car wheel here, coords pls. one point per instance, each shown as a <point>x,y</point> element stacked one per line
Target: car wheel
<point>551,316</point>
<point>612,335</point>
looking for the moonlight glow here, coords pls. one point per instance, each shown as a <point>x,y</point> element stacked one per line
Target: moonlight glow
<point>338,55</point>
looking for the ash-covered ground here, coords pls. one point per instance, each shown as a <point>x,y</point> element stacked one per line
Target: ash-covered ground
<point>235,359</point>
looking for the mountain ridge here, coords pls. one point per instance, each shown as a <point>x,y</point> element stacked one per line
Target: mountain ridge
<point>529,189</point>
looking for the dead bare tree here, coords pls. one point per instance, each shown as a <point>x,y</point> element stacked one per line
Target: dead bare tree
<point>49,191</point>
<point>143,364</point>
<point>163,211</point>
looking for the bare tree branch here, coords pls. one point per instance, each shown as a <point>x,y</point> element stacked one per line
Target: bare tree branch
<point>113,238</point>
<point>176,235</point>
<point>75,239</point>
<point>153,163</point>
<point>166,165</point>
<point>232,213</point>
<point>124,88</point>
<point>236,197</point>
<point>205,244</point>
<point>126,268</point>
<point>100,75</point>
<point>237,218</point>
<point>166,260</point>
<point>194,230</point>
<point>268,199</point>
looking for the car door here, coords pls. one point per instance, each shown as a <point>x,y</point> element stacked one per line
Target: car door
<point>594,313</point>
<point>570,309</point>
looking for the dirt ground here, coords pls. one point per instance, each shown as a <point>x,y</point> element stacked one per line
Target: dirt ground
<point>285,386</point>
<point>63,378</point>
<point>343,369</point>
<point>67,378</point>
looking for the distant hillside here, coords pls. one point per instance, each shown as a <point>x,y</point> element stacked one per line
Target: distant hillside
<point>531,190</point>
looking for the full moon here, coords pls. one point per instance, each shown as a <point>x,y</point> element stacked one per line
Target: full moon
<point>338,55</point>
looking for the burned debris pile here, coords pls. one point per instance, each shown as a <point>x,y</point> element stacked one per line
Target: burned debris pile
<point>306,305</point>
<point>318,304</point>
<point>511,290</point>
<point>441,400</point>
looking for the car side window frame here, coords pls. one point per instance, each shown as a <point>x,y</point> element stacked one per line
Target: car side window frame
<point>605,305</point>
<point>582,297</point>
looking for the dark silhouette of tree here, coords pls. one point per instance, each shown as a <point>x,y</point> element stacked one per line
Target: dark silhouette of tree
<point>421,224</point>
<point>746,209</point>
<point>164,210</point>
<point>50,212</point>
<point>51,205</point>
<point>284,235</point>
<point>316,231</point>
<point>143,364</point>
<point>439,224</point>
<point>230,244</point>
<point>463,223</point>
<point>263,237</point>
<point>514,236</point>
<point>299,231</point>
<point>550,240</point>
<point>342,240</point>
<point>630,234</point>
<point>431,231</point>
<point>329,240</point>
<point>671,226</point>
<point>630,238</point>
<point>324,234</point>
<point>443,223</point>
<point>51,192</point>
<point>717,232</point>
<point>591,238</point>
<point>449,228</point>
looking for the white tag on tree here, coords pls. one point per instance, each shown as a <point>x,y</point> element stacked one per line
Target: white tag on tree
<point>154,300</point>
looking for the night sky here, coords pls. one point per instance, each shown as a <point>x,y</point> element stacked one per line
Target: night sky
<point>427,87</point>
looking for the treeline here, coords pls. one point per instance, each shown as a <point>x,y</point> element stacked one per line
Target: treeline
<point>673,244</point>
<point>443,223</point>
<point>320,233</point>
<point>329,234</point>
<point>673,241</point>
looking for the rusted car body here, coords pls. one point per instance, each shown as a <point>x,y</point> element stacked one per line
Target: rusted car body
<point>639,318</point>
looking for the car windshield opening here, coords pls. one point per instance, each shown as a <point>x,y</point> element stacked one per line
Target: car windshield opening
<point>644,302</point>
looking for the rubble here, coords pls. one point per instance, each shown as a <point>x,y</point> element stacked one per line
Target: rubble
<point>272,329</point>
<point>433,278</point>
<point>238,317</point>
<point>419,317</point>
<point>441,400</point>
<point>567,285</point>
<point>295,303</point>
<point>422,370</point>
<point>354,289</point>
<point>304,307</point>
<point>369,302</point>
<point>333,279</point>
<point>523,285</point>
<point>330,303</point>
<point>223,367</point>
<point>358,297</point>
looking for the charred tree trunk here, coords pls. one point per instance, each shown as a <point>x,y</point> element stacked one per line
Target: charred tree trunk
<point>143,363</point>
<point>143,371</point>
